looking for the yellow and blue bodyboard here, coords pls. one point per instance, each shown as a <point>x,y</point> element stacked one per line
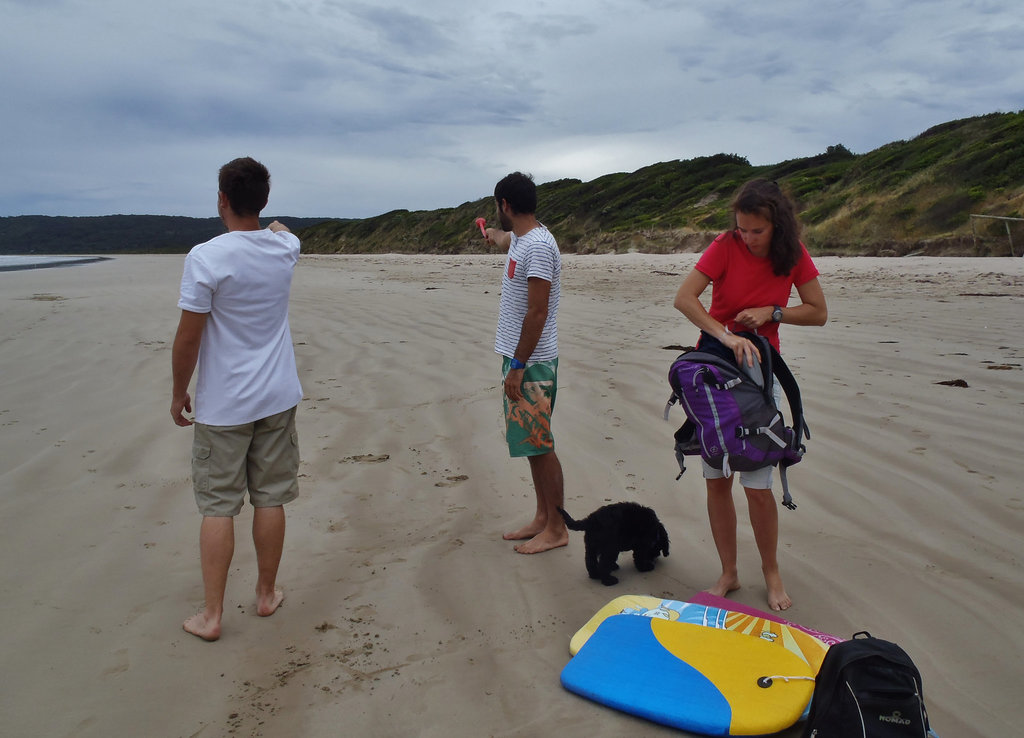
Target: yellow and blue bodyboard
<point>689,676</point>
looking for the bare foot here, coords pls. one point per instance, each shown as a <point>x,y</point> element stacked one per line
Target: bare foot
<point>726,583</point>
<point>777,597</point>
<point>199,625</point>
<point>543,541</point>
<point>268,606</point>
<point>524,533</point>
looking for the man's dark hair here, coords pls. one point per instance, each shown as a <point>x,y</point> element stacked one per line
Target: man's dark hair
<point>246,183</point>
<point>519,191</point>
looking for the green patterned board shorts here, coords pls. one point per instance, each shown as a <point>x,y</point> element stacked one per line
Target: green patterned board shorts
<point>528,422</point>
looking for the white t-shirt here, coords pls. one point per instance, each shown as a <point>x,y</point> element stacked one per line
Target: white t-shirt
<point>535,254</point>
<point>242,279</point>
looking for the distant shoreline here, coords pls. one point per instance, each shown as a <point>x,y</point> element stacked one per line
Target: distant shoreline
<point>25,261</point>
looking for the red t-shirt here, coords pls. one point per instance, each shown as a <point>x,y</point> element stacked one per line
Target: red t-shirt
<point>740,280</point>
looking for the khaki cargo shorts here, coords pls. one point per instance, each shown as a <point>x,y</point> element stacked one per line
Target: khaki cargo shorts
<point>261,458</point>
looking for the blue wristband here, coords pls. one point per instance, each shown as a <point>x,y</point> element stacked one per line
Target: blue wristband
<point>515,363</point>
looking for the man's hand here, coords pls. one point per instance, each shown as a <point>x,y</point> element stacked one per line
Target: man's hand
<point>277,227</point>
<point>178,405</point>
<point>514,384</point>
<point>501,239</point>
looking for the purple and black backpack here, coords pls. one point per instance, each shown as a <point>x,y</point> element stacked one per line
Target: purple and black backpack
<point>732,421</point>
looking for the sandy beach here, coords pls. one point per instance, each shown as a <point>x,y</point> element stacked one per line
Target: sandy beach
<point>406,613</point>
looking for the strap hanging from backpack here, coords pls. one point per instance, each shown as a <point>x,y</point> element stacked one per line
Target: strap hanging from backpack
<point>800,430</point>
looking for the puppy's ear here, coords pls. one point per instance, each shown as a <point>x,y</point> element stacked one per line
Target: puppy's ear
<point>664,540</point>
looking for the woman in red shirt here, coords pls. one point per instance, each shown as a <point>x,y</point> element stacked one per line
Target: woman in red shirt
<point>752,270</point>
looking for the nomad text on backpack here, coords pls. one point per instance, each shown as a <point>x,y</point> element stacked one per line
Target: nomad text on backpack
<point>732,421</point>
<point>867,688</point>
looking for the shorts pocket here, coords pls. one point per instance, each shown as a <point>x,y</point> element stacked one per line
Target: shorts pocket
<point>295,451</point>
<point>201,468</point>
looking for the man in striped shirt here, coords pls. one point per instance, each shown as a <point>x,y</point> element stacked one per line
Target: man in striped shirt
<point>527,341</point>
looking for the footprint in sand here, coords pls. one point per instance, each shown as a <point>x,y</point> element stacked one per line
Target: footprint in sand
<point>122,664</point>
<point>365,459</point>
<point>451,481</point>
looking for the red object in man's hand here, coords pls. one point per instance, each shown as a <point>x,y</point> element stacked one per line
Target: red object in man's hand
<point>481,223</point>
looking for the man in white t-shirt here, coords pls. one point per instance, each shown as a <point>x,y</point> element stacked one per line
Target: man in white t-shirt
<point>234,325</point>
<point>527,341</point>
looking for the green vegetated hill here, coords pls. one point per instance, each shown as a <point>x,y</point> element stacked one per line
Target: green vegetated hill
<point>122,234</point>
<point>906,197</point>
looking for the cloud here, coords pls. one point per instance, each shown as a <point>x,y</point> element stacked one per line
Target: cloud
<point>361,107</point>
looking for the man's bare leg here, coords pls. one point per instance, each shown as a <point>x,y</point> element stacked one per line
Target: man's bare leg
<point>268,525</point>
<point>216,547</point>
<point>540,517</point>
<point>764,519</point>
<point>549,486</point>
<point>722,515</point>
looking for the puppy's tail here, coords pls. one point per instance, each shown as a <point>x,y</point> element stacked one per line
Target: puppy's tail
<point>569,522</point>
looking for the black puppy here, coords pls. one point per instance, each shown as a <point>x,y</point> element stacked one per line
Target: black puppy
<point>621,526</point>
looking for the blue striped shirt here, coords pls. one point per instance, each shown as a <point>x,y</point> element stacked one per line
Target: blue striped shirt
<point>533,255</point>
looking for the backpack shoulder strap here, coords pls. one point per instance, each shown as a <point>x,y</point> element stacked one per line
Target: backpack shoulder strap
<point>796,409</point>
<point>773,366</point>
<point>792,390</point>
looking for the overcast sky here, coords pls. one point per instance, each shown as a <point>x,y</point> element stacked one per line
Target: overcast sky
<point>358,108</point>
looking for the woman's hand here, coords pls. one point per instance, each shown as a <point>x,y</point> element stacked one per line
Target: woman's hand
<point>754,318</point>
<point>742,348</point>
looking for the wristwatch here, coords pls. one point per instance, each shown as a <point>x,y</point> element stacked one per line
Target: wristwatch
<point>515,363</point>
<point>777,314</point>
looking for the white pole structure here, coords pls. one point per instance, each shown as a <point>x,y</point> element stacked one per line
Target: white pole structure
<point>1006,221</point>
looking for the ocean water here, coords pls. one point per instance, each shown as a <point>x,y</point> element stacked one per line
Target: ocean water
<point>15,262</point>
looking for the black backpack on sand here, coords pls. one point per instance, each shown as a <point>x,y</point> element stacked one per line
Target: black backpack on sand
<point>867,688</point>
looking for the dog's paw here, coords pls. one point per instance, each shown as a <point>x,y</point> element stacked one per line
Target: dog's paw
<point>644,566</point>
<point>609,580</point>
